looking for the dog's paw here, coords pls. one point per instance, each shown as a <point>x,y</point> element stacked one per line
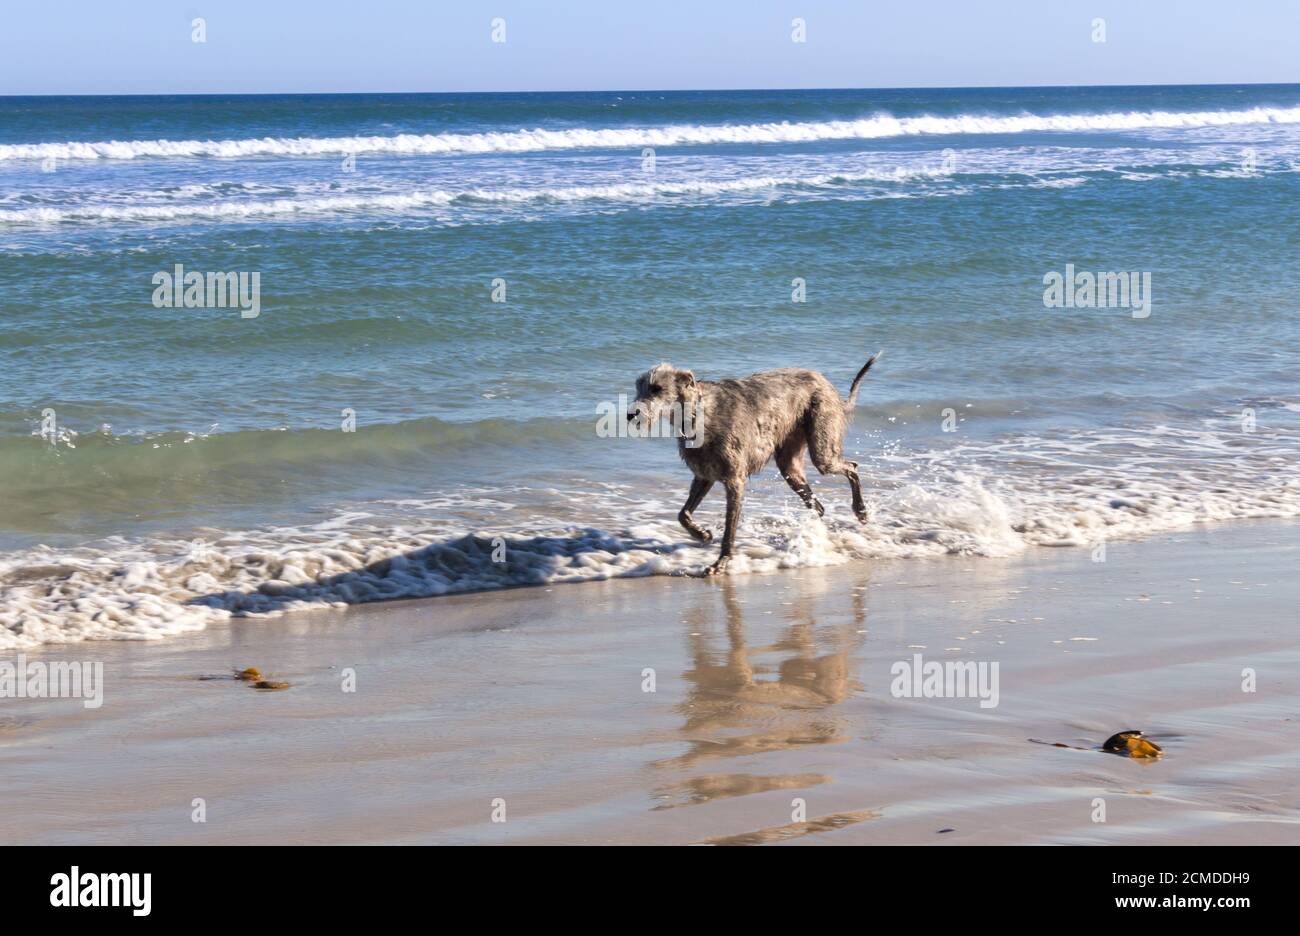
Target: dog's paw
<point>863,516</point>
<point>699,534</point>
<point>717,568</point>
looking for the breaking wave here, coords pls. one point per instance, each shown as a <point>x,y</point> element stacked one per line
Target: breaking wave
<point>879,126</point>
<point>411,201</point>
<point>997,498</point>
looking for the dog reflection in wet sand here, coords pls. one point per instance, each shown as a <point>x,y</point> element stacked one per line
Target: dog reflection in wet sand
<point>731,691</point>
<point>728,691</point>
<point>729,429</point>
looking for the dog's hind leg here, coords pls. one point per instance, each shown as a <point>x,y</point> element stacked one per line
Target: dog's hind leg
<point>699,488</point>
<point>789,461</point>
<point>735,494</point>
<point>850,470</point>
<point>826,445</point>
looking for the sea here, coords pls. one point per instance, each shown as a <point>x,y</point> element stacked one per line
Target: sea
<point>1087,299</point>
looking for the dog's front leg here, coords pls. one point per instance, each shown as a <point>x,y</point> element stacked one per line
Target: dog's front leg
<point>735,494</point>
<point>699,488</point>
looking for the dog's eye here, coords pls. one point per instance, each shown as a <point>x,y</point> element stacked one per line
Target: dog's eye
<point>655,388</point>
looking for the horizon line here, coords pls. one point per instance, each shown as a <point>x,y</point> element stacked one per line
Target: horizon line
<point>1029,87</point>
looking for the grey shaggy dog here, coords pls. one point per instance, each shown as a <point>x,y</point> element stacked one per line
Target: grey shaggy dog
<point>729,429</point>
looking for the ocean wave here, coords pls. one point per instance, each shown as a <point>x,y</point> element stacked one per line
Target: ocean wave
<point>879,126</point>
<point>882,183</point>
<point>416,200</point>
<point>995,498</point>
<point>87,460</point>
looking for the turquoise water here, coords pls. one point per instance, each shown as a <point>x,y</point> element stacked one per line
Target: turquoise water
<point>159,466</point>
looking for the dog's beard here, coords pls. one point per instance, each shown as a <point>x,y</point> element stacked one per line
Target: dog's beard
<point>651,419</point>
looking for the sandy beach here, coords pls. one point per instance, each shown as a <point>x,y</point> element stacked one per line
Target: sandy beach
<point>768,689</point>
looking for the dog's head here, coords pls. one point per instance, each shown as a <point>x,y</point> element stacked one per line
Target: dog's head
<point>661,391</point>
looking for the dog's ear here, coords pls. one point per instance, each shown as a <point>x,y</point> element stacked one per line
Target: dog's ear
<point>685,379</point>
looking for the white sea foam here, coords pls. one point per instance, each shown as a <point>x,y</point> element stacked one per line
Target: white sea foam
<point>417,200</point>
<point>879,126</point>
<point>1103,486</point>
<point>625,193</point>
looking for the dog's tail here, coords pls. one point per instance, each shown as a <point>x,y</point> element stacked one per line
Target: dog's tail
<point>857,382</point>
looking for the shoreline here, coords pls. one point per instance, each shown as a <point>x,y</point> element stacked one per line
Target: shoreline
<point>768,688</point>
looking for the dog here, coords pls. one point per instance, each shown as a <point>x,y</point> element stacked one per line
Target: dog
<point>727,430</point>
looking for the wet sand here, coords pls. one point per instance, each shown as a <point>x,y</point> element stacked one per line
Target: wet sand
<point>769,689</point>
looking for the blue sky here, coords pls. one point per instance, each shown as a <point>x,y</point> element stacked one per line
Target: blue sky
<point>144,46</point>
